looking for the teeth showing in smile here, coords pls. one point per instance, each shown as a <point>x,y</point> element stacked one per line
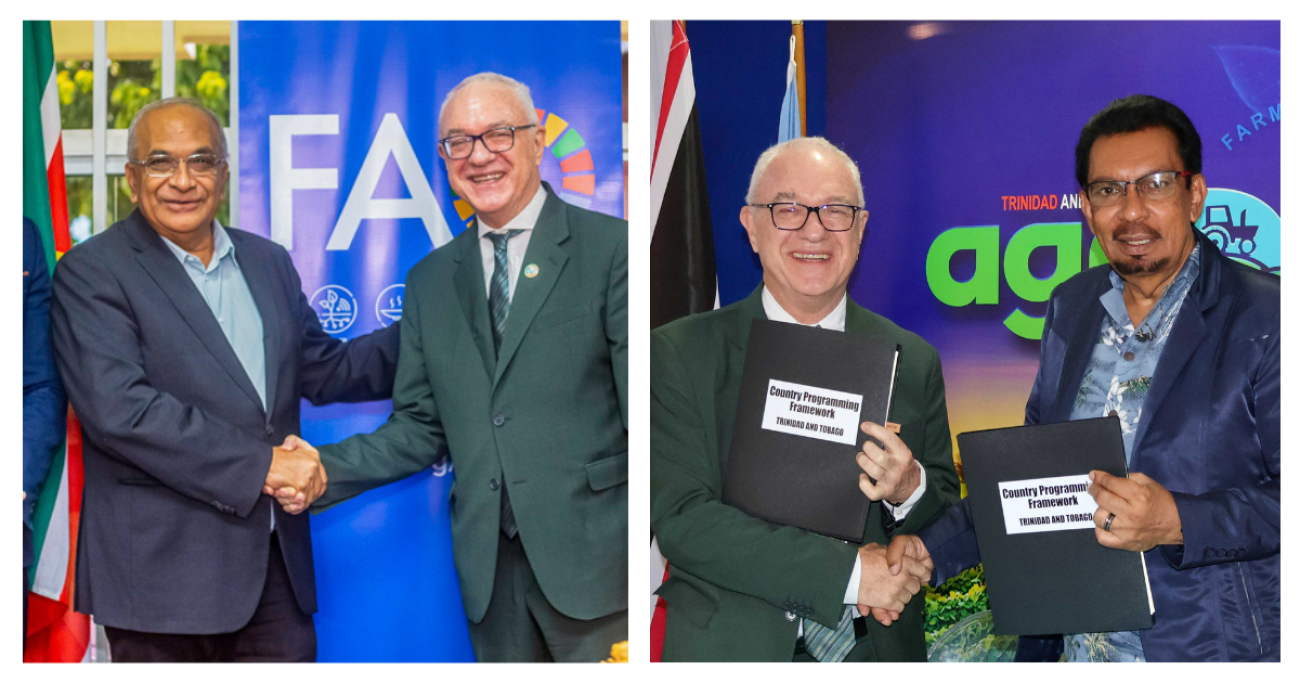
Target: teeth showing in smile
<point>489,178</point>
<point>1137,243</point>
<point>811,257</point>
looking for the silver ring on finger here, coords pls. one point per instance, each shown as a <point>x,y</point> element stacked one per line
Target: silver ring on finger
<point>1110,518</point>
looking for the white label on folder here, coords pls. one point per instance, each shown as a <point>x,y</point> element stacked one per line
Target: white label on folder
<point>1051,504</point>
<point>813,412</point>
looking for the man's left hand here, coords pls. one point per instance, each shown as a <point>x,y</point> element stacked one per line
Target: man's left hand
<point>897,475</point>
<point>1145,513</point>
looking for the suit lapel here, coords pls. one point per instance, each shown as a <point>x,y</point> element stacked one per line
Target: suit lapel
<point>738,343</point>
<point>168,273</point>
<point>473,296</point>
<point>1187,333</point>
<point>1079,332</point>
<point>856,320</point>
<point>544,250</point>
<point>1184,338</point>
<point>257,275</point>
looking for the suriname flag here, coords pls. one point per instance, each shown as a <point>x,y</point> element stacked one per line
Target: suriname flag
<point>55,633</point>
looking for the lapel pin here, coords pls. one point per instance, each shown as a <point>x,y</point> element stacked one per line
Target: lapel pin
<point>531,270</point>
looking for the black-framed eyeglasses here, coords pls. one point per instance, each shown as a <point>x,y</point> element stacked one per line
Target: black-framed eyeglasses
<point>793,216</point>
<point>164,165</point>
<point>1155,186</point>
<point>497,140</point>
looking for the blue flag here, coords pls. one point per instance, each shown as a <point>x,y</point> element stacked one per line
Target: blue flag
<point>790,124</point>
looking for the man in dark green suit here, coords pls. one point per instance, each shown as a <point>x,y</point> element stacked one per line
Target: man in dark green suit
<point>740,588</point>
<point>514,361</point>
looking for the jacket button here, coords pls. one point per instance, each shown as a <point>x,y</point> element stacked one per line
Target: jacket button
<point>499,420</point>
<point>270,431</point>
<point>494,484</point>
<point>789,616</point>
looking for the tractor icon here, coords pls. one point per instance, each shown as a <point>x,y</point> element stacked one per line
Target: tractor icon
<point>1221,231</point>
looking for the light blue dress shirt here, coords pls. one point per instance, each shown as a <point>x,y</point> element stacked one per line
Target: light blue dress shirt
<point>1116,383</point>
<point>221,284</point>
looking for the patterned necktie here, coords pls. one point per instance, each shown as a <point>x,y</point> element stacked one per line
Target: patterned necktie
<point>827,644</point>
<point>499,291</point>
<point>499,305</point>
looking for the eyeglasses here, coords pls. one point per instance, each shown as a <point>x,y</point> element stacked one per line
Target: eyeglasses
<point>792,216</point>
<point>497,140</point>
<point>1156,186</point>
<point>164,165</point>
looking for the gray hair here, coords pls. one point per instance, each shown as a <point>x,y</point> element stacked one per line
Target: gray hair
<point>173,102</point>
<point>520,91</point>
<point>815,143</point>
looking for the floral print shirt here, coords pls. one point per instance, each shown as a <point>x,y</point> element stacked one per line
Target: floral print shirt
<point>1116,383</point>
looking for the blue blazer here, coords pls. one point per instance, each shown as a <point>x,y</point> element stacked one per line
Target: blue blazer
<point>44,406</point>
<point>1210,433</point>
<point>175,531</point>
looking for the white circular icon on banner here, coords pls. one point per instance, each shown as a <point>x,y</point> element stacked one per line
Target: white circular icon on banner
<point>388,306</point>
<point>335,307</point>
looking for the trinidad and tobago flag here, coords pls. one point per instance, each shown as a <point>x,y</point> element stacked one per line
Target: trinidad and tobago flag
<point>683,279</point>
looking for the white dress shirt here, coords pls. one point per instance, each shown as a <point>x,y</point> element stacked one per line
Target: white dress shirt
<point>516,248</point>
<point>835,321</point>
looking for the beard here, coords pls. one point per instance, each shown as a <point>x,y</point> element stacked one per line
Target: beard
<point>1138,266</point>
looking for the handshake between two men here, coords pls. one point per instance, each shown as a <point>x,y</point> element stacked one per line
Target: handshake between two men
<point>890,576</point>
<point>297,477</point>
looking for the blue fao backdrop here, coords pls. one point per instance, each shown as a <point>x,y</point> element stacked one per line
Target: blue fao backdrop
<point>338,163</point>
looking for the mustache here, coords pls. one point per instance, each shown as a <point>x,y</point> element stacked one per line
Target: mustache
<point>1131,229</point>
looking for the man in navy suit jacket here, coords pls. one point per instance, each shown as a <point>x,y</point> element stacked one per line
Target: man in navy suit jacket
<point>1202,498</point>
<point>186,348</point>
<point>44,406</point>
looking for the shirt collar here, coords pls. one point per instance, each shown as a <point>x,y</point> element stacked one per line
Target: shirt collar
<point>221,246</point>
<point>833,320</point>
<point>526,220</point>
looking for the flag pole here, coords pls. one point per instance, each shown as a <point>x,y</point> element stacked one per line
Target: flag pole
<point>801,76</point>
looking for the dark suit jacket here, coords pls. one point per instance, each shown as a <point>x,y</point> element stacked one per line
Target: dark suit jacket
<point>174,533</point>
<point>548,417</point>
<point>737,584</point>
<point>1210,433</point>
<point>44,406</point>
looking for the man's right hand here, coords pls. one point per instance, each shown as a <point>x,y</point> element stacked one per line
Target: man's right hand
<point>886,591</point>
<point>297,477</point>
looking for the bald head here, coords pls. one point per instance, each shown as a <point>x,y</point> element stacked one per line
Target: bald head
<point>133,134</point>
<point>519,93</point>
<point>815,147</point>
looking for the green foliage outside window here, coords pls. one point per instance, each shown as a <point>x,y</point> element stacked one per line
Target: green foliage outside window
<point>134,84</point>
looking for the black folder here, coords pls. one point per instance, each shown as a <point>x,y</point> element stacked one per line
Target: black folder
<point>797,479</point>
<point>1060,581</point>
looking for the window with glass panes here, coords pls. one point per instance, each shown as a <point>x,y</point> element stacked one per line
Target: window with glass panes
<point>129,59</point>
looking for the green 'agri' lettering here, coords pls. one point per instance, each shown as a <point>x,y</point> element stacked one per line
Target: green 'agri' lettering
<point>982,287</point>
